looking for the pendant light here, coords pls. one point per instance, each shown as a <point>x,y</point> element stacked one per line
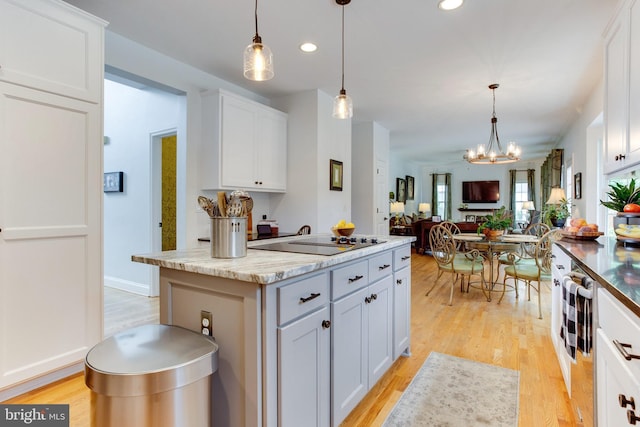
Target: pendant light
<point>488,155</point>
<point>342,104</point>
<point>258,59</point>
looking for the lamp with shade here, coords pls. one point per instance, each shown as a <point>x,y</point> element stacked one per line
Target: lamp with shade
<point>423,208</point>
<point>528,206</point>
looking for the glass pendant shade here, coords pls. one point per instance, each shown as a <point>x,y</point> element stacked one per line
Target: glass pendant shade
<point>342,106</point>
<point>258,61</point>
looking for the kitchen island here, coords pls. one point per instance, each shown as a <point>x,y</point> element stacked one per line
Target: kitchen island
<point>302,337</point>
<point>615,269</point>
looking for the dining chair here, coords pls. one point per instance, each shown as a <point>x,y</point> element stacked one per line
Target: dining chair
<point>305,229</point>
<point>538,270</point>
<point>526,251</point>
<point>457,263</point>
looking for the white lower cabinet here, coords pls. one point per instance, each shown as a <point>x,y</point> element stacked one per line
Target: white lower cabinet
<point>304,371</point>
<point>561,266</point>
<point>362,344</point>
<point>401,311</point>
<point>617,371</point>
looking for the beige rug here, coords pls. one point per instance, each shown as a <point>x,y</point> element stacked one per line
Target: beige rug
<point>450,391</point>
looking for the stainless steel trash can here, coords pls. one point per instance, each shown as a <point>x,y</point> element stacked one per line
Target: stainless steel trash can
<point>151,376</point>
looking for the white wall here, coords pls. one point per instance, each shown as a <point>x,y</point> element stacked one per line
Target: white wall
<point>314,137</point>
<point>582,148</point>
<point>130,117</point>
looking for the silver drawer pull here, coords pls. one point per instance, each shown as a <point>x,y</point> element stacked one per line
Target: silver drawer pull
<point>382,267</point>
<point>404,258</point>
<point>309,298</point>
<point>354,279</point>
<point>622,349</point>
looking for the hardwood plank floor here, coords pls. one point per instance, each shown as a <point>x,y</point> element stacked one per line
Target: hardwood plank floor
<point>508,335</point>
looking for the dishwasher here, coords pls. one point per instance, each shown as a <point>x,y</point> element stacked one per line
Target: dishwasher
<point>572,334</point>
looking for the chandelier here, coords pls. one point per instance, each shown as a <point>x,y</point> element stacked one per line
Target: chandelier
<point>487,155</point>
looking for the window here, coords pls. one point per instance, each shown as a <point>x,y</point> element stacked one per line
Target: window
<point>521,195</point>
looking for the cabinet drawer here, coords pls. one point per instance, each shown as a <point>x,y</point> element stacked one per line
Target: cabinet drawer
<point>348,279</point>
<point>380,266</point>
<point>302,297</point>
<point>401,257</point>
<point>619,323</point>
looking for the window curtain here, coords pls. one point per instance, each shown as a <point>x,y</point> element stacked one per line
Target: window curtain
<point>434,194</point>
<point>513,175</point>
<point>447,183</point>
<point>531,189</point>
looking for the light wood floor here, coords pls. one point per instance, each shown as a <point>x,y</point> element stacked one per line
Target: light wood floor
<point>508,335</point>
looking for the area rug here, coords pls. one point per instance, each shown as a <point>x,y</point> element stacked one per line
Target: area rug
<point>451,391</point>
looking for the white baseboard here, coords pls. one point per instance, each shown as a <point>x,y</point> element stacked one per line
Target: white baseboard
<point>127,285</point>
<point>27,386</point>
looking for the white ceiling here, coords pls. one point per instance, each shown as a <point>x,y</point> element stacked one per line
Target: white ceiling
<point>418,71</point>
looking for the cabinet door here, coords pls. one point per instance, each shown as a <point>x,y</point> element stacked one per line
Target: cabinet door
<point>304,371</point>
<point>238,128</point>
<point>380,329</point>
<point>634,81</point>
<point>50,231</point>
<point>613,379</point>
<point>615,96</point>
<point>51,46</point>
<point>401,311</point>
<point>271,147</point>
<point>349,346</point>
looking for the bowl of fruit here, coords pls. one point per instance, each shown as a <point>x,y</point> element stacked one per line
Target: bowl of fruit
<point>343,228</point>
<point>580,229</point>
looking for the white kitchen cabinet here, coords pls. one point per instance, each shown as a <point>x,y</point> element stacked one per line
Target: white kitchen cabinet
<point>362,338</point>
<point>622,89</point>
<point>244,144</point>
<point>51,75</point>
<point>51,46</point>
<point>401,301</point>
<point>618,379</point>
<point>304,347</point>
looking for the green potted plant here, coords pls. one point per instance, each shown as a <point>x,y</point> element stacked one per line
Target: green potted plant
<point>625,199</point>
<point>556,215</point>
<point>495,223</point>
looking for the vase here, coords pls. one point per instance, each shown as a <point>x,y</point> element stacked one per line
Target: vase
<point>492,234</point>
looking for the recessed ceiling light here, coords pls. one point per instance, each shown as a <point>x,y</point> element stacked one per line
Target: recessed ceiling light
<point>308,47</point>
<point>450,4</point>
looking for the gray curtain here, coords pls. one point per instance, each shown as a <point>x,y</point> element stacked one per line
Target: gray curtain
<point>512,189</point>
<point>531,182</point>
<point>434,194</point>
<point>447,182</point>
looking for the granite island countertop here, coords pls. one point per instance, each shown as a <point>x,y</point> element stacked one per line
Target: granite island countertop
<point>261,266</point>
<point>615,266</point>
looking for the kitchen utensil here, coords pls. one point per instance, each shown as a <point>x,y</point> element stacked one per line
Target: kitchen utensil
<point>206,204</point>
<point>222,203</point>
<point>234,208</point>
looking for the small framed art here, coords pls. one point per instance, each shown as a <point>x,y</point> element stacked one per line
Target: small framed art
<point>335,177</point>
<point>113,182</point>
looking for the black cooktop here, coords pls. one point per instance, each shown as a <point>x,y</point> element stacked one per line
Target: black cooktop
<point>320,245</point>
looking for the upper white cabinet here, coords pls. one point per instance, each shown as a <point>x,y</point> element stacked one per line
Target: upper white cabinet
<point>622,89</point>
<point>51,46</point>
<point>244,144</point>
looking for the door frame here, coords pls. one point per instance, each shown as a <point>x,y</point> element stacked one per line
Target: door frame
<point>155,205</point>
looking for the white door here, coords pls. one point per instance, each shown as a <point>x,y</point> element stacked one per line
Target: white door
<point>381,199</point>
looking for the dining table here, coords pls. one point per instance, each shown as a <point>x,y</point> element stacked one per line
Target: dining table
<point>493,248</point>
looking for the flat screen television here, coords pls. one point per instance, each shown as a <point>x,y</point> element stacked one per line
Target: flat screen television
<point>480,191</point>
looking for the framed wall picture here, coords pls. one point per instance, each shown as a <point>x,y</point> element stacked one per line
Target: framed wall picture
<point>410,184</point>
<point>436,218</point>
<point>401,190</point>
<point>335,175</point>
<point>577,186</point>
<point>113,182</point>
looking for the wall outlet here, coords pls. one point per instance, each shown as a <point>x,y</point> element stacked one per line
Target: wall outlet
<point>206,323</point>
